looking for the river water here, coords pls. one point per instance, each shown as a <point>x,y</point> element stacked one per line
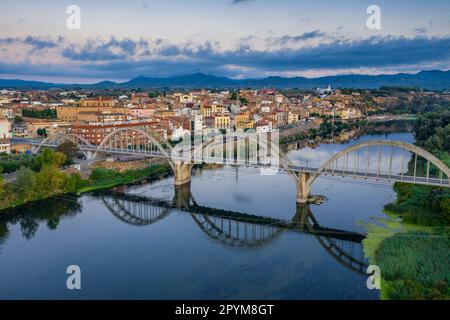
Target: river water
<point>131,243</point>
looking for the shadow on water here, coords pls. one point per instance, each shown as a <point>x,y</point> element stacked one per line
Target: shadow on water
<point>228,227</point>
<point>234,228</point>
<point>30,215</point>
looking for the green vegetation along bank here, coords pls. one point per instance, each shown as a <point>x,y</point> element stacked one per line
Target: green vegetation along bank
<point>413,249</point>
<point>102,178</point>
<point>48,180</point>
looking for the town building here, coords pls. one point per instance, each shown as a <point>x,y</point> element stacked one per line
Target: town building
<point>67,113</point>
<point>5,136</point>
<point>50,127</point>
<point>98,102</point>
<point>96,133</point>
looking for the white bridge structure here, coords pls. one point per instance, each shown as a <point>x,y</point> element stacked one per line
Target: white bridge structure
<point>379,160</point>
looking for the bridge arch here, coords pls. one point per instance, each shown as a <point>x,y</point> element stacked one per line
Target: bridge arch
<point>397,144</point>
<point>59,138</point>
<point>166,152</point>
<point>220,142</point>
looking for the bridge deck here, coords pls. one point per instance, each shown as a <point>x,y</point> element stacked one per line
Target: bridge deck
<point>357,174</point>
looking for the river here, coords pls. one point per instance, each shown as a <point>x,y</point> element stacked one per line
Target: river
<point>131,248</point>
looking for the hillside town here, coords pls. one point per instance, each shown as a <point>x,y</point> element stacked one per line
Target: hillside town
<point>94,115</point>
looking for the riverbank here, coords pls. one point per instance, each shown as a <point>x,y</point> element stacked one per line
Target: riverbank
<point>349,129</point>
<point>412,245</point>
<point>328,128</point>
<point>101,178</point>
<point>50,181</point>
<point>412,248</point>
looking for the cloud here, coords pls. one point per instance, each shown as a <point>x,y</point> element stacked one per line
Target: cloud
<point>420,30</point>
<point>126,58</point>
<point>8,41</point>
<point>299,38</point>
<point>39,43</point>
<point>31,48</point>
<point>112,49</point>
<point>36,43</point>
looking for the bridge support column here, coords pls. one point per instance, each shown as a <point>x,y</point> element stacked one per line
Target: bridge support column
<point>303,187</point>
<point>34,149</point>
<point>182,173</point>
<point>90,155</point>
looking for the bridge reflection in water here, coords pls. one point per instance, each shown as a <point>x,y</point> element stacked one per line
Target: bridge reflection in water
<point>236,228</point>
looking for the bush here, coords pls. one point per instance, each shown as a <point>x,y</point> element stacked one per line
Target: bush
<point>12,163</point>
<point>107,176</point>
<point>421,205</point>
<point>414,265</point>
<point>102,174</point>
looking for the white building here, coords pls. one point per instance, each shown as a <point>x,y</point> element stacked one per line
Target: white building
<point>279,98</point>
<point>265,108</point>
<point>263,127</point>
<point>5,136</point>
<point>179,133</point>
<point>198,124</point>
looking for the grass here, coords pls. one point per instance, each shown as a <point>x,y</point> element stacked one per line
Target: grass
<point>101,178</point>
<point>412,245</point>
<point>415,265</point>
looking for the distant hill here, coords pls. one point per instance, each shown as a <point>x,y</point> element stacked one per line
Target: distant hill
<point>5,83</point>
<point>434,80</point>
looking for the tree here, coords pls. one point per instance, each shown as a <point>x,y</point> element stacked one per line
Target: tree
<point>2,189</point>
<point>26,183</point>
<point>50,158</point>
<point>440,141</point>
<point>69,149</point>
<point>18,120</point>
<point>41,132</point>
<point>49,181</point>
<point>72,183</point>
<point>40,114</point>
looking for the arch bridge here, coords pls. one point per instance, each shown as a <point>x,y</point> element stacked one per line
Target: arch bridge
<point>379,160</point>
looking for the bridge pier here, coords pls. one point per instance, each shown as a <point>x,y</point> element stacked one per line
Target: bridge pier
<point>34,149</point>
<point>182,173</point>
<point>303,187</point>
<point>91,155</point>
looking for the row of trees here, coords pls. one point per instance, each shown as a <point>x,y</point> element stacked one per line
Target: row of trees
<point>15,162</point>
<point>432,132</point>
<point>40,114</point>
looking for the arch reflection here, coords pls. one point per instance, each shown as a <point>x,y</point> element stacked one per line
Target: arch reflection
<point>236,228</point>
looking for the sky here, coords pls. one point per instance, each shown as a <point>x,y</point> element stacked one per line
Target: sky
<point>119,40</point>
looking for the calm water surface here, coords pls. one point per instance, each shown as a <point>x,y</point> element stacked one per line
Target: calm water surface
<point>131,248</point>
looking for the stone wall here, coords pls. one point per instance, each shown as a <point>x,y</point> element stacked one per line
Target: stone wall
<point>128,165</point>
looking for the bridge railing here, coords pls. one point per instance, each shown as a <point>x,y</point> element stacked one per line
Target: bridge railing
<point>379,160</point>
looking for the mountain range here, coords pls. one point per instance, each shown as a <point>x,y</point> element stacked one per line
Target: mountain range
<point>433,80</point>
